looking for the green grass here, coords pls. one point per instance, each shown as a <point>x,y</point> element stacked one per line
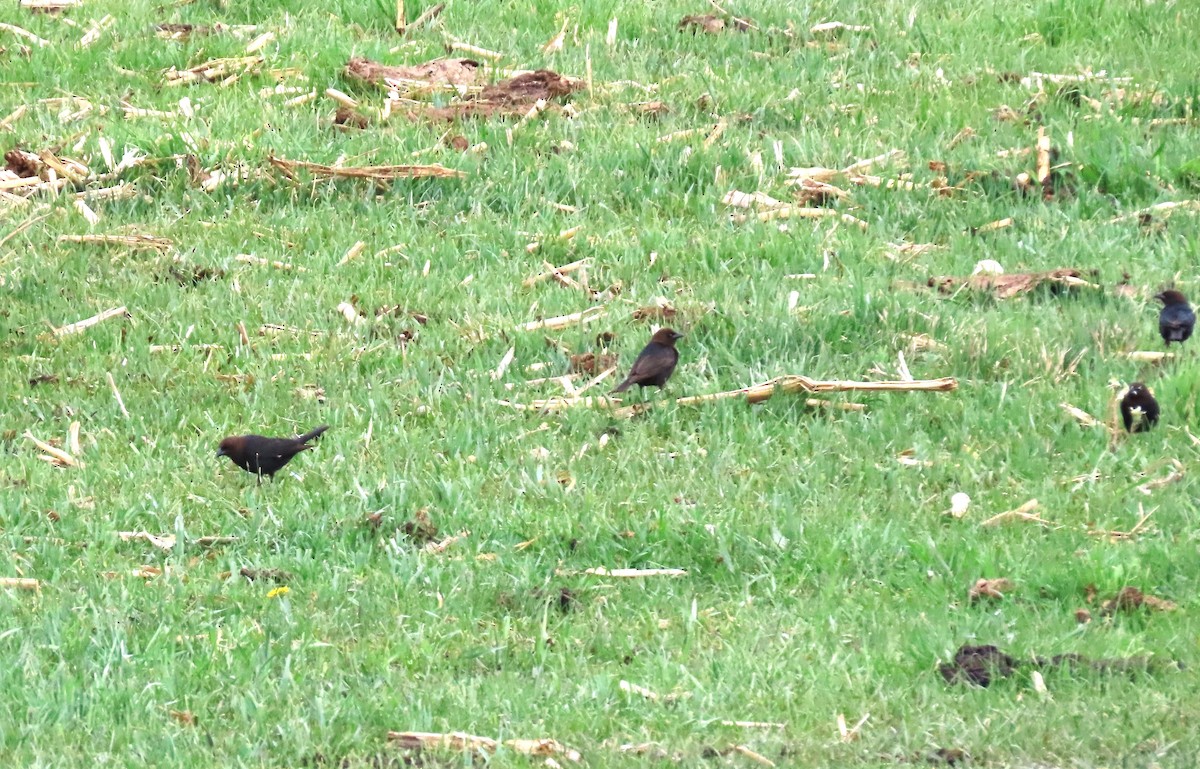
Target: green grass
<point>823,577</point>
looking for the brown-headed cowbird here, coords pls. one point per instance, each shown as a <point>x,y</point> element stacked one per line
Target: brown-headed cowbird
<point>655,363</point>
<point>1176,320</point>
<point>265,456</point>
<point>1139,409</point>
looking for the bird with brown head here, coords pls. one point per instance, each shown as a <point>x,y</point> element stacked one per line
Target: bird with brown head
<point>655,363</point>
<point>261,455</point>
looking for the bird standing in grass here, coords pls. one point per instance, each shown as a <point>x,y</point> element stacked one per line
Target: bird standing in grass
<point>656,362</point>
<point>265,456</point>
<point>1176,320</point>
<point>1139,409</point>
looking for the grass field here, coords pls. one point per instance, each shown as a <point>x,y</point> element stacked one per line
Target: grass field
<point>823,573</point>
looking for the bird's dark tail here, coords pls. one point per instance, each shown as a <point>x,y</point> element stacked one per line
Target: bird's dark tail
<point>313,434</point>
<point>621,387</point>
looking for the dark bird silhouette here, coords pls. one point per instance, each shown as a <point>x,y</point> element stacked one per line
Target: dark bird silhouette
<point>265,456</point>
<point>1176,320</point>
<point>655,363</point>
<point>1139,409</point>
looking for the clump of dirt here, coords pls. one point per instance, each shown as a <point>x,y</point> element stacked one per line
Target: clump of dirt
<point>507,98</point>
<point>346,118</point>
<point>435,72</point>
<point>980,665</point>
<point>1130,599</point>
<point>1008,285</point>
<point>23,163</point>
<point>991,589</point>
<point>948,756</point>
<point>655,312</point>
<point>420,529</point>
<point>527,88</point>
<point>591,363</point>
<point>194,275</point>
<point>266,575</point>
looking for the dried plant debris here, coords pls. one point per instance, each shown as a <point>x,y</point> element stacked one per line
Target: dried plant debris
<point>713,25</point>
<point>990,589</point>
<point>529,87</point>
<point>184,32</point>
<point>787,385</point>
<point>23,163</point>
<point>650,109</point>
<point>981,665</point>
<point>461,741</point>
<point>511,97</point>
<point>399,311</point>
<point>193,275</point>
<point>1014,284</point>
<point>1131,599</point>
<point>438,72</point>
<point>225,72</point>
<point>378,173</point>
<point>1054,180</point>
<point>656,312</point>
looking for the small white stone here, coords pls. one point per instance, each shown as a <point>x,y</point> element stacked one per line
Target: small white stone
<point>959,504</point>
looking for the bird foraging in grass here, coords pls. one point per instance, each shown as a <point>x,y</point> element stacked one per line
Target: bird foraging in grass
<point>1139,409</point>
<point>1176,320</point>
<point>655,363</point>
<point>265,456</point>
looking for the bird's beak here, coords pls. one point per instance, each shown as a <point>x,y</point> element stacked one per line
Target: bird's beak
<point>220,452</point>
<point>679,335</point>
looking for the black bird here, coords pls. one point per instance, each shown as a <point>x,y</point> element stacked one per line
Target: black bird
<point>265,456</point>
<point>655,363</point>
<point>1139,409</point>
<point>1176,320</point>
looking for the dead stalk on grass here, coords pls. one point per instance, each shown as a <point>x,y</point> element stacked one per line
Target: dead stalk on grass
<point>381,173</point>
<point>788,385</point>
<point>462,741</point>
<point>20,583</point>
<point>1022,513</point>
<point>54,455</point>
<point>86,323</point>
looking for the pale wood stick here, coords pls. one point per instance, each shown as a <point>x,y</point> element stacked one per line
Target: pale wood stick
<point>19,32</point>
<point>117,394</point>
<point>1043,155</point>
<point>83,325</point>
<point>57,455</point>
<point>20,583</point>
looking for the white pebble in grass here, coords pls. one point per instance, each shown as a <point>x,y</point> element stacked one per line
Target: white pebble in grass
<point>793,300</point>
<point>988,266</point>
<point>959,504</point>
